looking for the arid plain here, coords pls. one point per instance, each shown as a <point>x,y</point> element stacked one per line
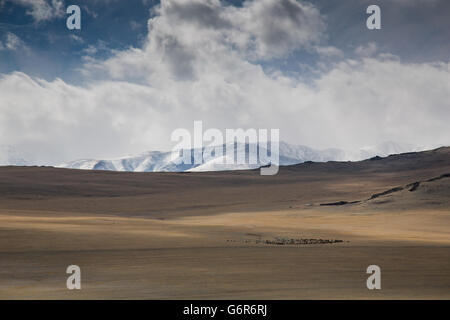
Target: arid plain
<point>230,235</point>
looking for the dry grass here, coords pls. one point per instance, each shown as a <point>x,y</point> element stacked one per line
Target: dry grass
<point>196,235</point>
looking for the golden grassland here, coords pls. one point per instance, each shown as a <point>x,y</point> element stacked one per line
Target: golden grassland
<point>211,235</point>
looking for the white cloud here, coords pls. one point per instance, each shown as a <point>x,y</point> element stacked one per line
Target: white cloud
<point>202,68</point>
<point>13,43</point>
<point>329,51</point>
<point>134,25</point>
<point>368,50</point>
<point>90,50</point>
<point>42,10</point>
<point>355,104</point>
<point>187,38</point>
<point>76,38</point>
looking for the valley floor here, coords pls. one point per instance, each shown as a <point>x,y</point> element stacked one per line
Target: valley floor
<point>228,235</point>
<point>220,257</point>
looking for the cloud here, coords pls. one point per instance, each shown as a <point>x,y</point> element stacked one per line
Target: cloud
<point>42,10</point>
<point>92,50</point>
<point>329,51</point>
<point>270,29</point>
<point>134,25</point>
<point>185,35</point>
<point>76,38</point>
<point>199,64</point>
<point>368,50</point>
<point>357,103</point>
<point>13,43</point>
<point>261,29</point>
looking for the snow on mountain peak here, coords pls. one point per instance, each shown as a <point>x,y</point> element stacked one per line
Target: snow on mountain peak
<point>289,154</point>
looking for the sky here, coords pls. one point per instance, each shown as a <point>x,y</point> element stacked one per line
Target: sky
<point>140,69</point>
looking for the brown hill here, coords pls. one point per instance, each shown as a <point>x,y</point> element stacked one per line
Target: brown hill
<point>165,194</point>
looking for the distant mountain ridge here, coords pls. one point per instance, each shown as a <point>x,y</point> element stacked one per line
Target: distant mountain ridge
<point>289,154</point>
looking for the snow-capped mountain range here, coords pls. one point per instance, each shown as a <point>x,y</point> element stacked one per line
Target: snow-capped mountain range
<point>168,161</point>
<point>157,161</point>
